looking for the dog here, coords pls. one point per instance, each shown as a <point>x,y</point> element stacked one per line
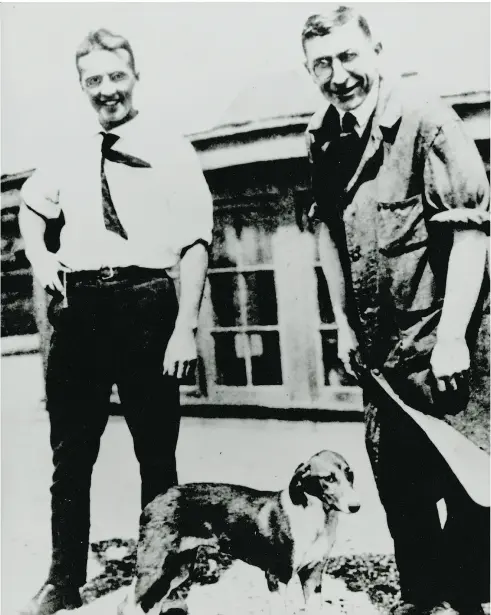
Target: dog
<point>285,533</point>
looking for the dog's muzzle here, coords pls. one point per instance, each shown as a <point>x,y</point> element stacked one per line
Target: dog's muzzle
<point>344,505</point>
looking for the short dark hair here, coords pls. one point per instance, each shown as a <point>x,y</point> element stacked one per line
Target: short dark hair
<point>103,39</point>
<point>321,25</point>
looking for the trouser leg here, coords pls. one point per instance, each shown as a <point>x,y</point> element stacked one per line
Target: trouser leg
<point>466,547</point>
<point>151,408</point>
<point>404,468</point>
<point>150,400</point>
<point>77,391</point>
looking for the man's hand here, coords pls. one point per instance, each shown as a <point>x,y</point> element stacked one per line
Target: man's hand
<point>450,362</point>
<point>347,346</point>
<point>181,354</point>
<point>46,268</point>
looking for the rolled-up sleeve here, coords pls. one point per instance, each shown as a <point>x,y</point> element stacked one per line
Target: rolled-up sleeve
<point>190,198</point>
<point>41,192</point>
<point>456,186</point>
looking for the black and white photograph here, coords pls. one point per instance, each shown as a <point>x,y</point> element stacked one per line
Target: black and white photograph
<point>245,282</point>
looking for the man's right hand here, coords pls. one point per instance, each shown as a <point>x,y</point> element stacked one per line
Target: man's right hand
<point>347,346</point>
<point>46,268</point>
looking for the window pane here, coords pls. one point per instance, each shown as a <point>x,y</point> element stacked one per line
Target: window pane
<point>192,380</point>
<point>325,308</point>
<point>225,245</point>
<point>243,238</point>
<point>256,246</point>
<point>334,372</point>
<point>265,358</point>
<point>261,298</point>
<point>225,299</point>
<point>231,370</point>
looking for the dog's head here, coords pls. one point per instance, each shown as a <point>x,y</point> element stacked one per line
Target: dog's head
<point>327,477</point>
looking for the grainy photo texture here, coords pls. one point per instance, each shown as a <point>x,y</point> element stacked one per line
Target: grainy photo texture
<point>245,308</point>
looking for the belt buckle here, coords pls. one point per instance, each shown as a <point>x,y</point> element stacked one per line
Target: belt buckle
<point>106,273</point>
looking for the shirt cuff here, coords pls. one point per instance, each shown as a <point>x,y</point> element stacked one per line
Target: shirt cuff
<point>45,208</point>
<point>203,242</point>
<point>464,219</point>
<point>40,198</point>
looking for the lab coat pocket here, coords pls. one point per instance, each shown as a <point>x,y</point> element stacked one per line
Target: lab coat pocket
<point>402,242</point>
<point>402,226</point>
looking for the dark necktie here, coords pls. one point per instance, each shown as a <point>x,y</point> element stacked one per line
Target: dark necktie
<point>111,219</point>
<point>349,148</point>
<point>348,124</point>
<point>336,163</point>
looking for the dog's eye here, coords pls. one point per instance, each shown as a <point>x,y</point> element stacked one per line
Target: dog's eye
<point>330,479</point>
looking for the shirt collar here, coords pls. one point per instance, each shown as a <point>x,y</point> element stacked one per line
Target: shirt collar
<point>121,131</point>
<point>364,112</point>
<point>133,137</point>
<point>385,100</point>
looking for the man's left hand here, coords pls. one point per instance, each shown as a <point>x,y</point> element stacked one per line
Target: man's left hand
<point>450,363</point>
<point>181,354</point>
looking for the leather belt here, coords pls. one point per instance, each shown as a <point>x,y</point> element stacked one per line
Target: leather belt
<point>109,273</point>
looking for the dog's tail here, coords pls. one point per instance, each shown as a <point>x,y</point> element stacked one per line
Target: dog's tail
<point>157,541</point>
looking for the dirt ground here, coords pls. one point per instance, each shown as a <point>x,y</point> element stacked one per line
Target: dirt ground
<point>259,453</point>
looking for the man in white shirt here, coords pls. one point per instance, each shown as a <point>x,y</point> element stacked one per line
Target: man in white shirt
<point>135,206</point>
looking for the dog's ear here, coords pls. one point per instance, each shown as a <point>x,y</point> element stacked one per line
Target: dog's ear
<point>296,488</point>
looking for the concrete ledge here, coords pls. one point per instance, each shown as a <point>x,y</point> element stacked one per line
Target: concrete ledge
<point>217,411</point>
<point>209,411</point>
<point>28,346</point>
<point>21,344</point>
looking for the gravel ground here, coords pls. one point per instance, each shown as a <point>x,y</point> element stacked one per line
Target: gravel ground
<point>358,584</point>
<point>361,578</point>
<point>361,584</point>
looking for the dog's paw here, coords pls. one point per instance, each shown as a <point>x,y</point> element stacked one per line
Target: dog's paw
<point>209,565</point>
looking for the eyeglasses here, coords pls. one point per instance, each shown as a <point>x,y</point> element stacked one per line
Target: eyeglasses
<point>323,67</point>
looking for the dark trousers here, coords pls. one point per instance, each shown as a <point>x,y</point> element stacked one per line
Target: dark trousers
<point>112,332</point>
<point>434,564</point>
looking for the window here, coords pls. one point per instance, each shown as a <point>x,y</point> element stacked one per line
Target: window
<point>267,331</point>
<point>243,296</point>
<point>333,371</point>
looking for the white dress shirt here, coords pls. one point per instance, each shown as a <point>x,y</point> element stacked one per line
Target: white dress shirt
<point>163,208</point>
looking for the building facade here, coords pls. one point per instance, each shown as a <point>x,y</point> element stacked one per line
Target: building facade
<point>267,336</point>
